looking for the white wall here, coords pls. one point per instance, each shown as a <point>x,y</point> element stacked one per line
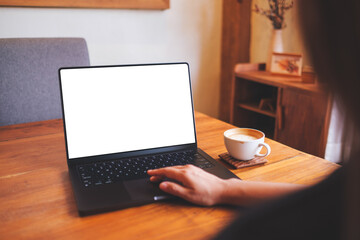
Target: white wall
<point>188,31</point>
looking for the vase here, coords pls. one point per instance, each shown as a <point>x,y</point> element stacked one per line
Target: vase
<point>276,45</point>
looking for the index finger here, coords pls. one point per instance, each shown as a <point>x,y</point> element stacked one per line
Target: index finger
<point>174,173</point>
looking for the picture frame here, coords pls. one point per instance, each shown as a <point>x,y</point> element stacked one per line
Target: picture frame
<point>121,4</point>
<point>289,64</point>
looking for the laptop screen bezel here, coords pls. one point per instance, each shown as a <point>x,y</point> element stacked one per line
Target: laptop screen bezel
<point>128,154</point>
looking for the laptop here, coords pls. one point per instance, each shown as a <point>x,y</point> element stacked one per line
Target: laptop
<point>120,121</point>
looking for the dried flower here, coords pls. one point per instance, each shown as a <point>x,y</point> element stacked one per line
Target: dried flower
<point>276,12</point>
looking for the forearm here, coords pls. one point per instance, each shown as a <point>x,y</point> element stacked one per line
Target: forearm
<point>236,192</point>
<point>200,187</point>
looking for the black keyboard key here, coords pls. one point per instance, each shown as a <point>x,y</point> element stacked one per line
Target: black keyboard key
<point>116,170</point>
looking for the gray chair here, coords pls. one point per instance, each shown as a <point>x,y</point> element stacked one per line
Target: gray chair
<point>29,82</point>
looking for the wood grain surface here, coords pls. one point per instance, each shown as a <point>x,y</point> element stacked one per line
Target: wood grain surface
<point>280,81</point>
<point>127,4</point>
<point>37,201</point>
<point>235,47</point>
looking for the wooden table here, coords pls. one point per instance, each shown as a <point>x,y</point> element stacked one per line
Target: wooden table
<point>36,198</point>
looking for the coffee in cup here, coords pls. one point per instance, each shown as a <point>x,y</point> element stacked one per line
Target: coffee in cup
<point>245,143</point>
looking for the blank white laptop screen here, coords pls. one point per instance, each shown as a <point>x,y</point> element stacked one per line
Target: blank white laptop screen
<point>126,108</point>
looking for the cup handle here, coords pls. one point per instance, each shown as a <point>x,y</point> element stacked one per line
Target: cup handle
<point>268,150</point>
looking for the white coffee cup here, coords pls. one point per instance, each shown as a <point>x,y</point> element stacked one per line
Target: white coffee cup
<point>245,143</point>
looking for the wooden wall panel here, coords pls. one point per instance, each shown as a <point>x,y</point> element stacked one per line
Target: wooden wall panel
<point>235,47</point>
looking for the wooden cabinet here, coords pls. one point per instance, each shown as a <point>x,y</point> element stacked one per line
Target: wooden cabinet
<point>284,108</point>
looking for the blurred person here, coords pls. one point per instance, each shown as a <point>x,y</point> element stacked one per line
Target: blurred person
<point>327,210</point>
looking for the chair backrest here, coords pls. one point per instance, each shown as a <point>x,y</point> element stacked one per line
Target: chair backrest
<point>29,81</point>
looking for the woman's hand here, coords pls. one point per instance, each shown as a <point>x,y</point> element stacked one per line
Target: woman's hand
<point>200,187</point>
<point>194,184</point>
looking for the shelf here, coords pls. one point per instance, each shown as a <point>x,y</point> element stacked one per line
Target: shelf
<point>254,107</point>
<point>282,99</point>
<point>270,79</point>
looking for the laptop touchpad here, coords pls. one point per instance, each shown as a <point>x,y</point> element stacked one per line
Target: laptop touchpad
<point>143,189</point>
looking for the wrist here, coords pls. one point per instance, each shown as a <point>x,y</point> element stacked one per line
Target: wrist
<point>227,192</point>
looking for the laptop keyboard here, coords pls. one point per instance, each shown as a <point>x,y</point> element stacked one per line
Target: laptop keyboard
<point>108,172</point>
